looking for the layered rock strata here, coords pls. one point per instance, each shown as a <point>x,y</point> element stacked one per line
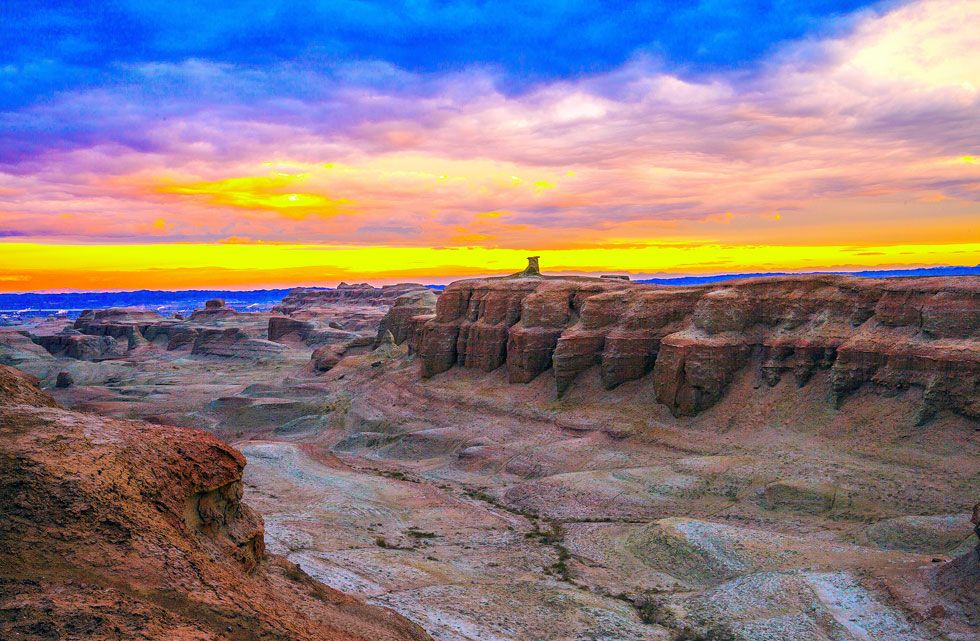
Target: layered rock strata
<point>361,294</point>
<point>116,529</point>
<point>403,317</point>
<point>308,332</point>
<point>890,334</point>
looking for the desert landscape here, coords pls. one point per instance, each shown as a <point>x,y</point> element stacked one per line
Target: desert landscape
<point>458,320</point>
<point>513,458</point>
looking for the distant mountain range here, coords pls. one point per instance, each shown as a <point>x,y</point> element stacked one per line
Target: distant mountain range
<point>165,302</point>
<point>870,273</point>
<point>168,302</point>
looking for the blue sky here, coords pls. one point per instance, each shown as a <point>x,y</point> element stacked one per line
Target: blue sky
<point>721,136</point>
<point>62,45</point>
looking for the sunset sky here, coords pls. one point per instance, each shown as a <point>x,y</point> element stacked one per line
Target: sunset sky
<point>247,144</point>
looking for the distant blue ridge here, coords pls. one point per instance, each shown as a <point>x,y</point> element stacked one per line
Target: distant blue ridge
<point>264,299</point>
<point>871,273</point>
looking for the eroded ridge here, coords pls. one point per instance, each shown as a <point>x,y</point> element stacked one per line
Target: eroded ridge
<point>893,334</point>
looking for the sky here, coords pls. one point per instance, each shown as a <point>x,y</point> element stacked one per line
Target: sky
<point>238,145</point>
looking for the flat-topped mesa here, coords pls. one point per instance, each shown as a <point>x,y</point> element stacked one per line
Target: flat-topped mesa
<point>361,293</point>
<point>890,333</point>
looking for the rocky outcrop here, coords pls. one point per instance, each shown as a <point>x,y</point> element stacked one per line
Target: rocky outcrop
<point>233,342</point>
<point>115,529</point>
<point>70,343</point>
<point>124,324</point>
<point>399,319</point>
<point>361,294</point>
<point>308,332</point>
<point>889,334</point>
<point>214,309</point>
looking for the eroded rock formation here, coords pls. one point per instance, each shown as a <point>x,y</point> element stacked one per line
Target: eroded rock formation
<point>233,342</point>
<point>892,334</point>
<point>214,309</point>
<point>361,293</point>
<point>401,320</point>
<point>114,529</point>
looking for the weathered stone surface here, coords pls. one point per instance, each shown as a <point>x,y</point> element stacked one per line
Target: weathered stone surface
<point>889,334</point>
<point>326,358</point>
<point>282,326</point>
<point>80,347</point>
<point>233,342</point>
<point>362,293</point>
<point>64,380</point>
<point>121,323</point>
<point>398,320</point>
<point>309,332</point>
<point>116,529</point>
<point>214,309</point>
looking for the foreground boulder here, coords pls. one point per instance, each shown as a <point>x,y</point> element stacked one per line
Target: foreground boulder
<point>115,529</point>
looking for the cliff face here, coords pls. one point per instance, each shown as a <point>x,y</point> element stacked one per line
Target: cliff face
<point>122,530</point>
<point>893,334</point>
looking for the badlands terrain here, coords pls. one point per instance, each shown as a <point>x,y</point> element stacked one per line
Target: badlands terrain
<point>512,459</point>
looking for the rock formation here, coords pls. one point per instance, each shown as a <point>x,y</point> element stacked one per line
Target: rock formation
<point>64,380</point>
<point>214,309</point>
<point>401,318</point>
<point>363,294</point>
<point>889,334</point>
<point>80,346</point>
<point>115,529</point>
<point>121,323</point>
<point>233,342</point>
<point>309,332</point>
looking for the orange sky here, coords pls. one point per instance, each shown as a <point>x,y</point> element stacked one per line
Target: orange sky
<point>853,151</point>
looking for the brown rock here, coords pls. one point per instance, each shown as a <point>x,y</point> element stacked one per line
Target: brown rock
<point>891,334</point>
<point>326,358</point>
<point>115,529</point>
<point>362,293</point>
<point>398,319</point>
<point>64,380</point>
<point>233,342</point>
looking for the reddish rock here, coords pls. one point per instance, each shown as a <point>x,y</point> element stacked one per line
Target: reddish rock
<point>891,334</point>
<point>398,320</point>
<point>284,328</point>
<point>116,529</point>
<point>326,358</point>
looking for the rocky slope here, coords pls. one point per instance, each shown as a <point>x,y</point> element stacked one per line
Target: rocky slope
<point>892,335</point>
<point>115,529</point>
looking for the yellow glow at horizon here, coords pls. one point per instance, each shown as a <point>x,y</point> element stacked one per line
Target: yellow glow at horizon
<point>383,262</point>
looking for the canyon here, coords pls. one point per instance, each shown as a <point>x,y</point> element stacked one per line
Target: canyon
<point>528,457</point>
